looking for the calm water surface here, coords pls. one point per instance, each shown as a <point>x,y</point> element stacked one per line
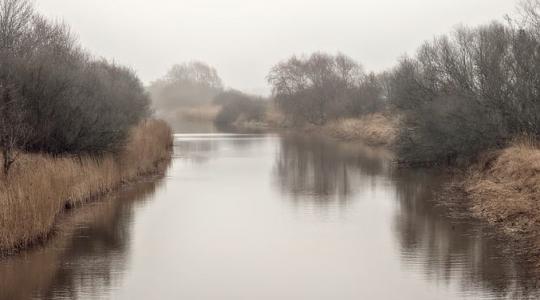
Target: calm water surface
<point>270,217</point>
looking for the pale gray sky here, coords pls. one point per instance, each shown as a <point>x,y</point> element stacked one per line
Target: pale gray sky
<point>244,38</point>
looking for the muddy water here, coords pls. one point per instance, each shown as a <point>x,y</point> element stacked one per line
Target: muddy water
<point>270,217</point>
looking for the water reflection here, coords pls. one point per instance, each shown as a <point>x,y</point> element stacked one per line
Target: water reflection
<point>447,251</point>
<point>85,258</point>
<point>315,168</point>
<point>201,148</point>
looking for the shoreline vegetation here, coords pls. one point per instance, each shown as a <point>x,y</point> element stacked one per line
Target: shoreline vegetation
<point>72,127</point>
<point>41,187</point>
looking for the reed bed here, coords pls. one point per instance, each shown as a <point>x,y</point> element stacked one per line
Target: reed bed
<point>374,129</point>
<point>199,113</point>
<point>39,187</point>
<point>505,187</point>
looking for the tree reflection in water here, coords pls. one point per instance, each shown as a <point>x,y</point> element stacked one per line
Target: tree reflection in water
<point>443,248</point>
<point>317,169</point>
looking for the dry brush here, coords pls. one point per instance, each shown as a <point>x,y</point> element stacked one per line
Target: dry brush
<point>41,186</point>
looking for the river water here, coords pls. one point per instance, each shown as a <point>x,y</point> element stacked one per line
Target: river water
<point>270,217</point>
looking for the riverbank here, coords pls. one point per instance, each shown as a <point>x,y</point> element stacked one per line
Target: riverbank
<point>40,187</point>
<point>378,129</point>
<point>504,190</point>
<point>103,229</point>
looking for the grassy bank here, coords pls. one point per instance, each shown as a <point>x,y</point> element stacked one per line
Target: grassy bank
<point>33,274</point>
<point>502,189</point>
<point>39,187</point>
<point>375,129</point>
<point>505,188</point>
<point>199,113</point>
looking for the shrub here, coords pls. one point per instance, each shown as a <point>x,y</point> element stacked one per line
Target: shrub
<point>66,101</point>
<point>237,106</point>
<point>467,92</point>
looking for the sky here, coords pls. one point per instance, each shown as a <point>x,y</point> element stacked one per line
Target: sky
<point>243,39</point>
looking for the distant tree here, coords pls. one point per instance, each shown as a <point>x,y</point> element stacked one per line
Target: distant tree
<point>529,14</point>
<point>236,106</point>
<point>195,72</point>
<point>321,87</point>
<point>187,84</point>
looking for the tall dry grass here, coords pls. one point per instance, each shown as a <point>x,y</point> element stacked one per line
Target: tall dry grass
<point>199,113</point>
<point>39,186</point>
<point>374,129</point>
<point>505,187</point>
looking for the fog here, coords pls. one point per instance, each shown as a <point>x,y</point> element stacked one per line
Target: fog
<point>244,38</point>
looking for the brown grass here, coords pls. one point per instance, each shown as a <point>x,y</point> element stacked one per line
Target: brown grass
<point>274,118</point>
<point>505,187</point>
<point>375,129</point>
<point>39,187</point>
<point>199,113</point>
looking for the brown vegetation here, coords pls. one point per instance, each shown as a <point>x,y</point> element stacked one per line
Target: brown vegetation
<point>40,186</point>
<point>205,112</point>
<point>505,188</point>
<point>34,274</point>
<point>375,129</point>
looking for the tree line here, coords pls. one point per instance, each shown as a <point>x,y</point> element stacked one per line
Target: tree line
<point>462,93</point>
<point>56,97</point>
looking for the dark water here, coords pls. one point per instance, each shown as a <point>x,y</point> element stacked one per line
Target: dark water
<point>270,217</point>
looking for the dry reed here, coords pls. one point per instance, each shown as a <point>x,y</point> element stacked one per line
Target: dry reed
<point>39,186</point>
<point>375,129</point>
<point>199,113</point>
<point>505,187</point>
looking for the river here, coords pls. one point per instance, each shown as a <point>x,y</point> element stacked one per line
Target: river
<point>270,217</point>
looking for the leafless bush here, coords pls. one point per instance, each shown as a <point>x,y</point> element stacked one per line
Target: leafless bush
<point>66,101</point>
<point>466,92</point>
<point>236,105</point>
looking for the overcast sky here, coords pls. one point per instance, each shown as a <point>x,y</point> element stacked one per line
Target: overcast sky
<point>244,38</point>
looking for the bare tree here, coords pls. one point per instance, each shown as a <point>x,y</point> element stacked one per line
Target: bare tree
<point>188,84</point>
<point>195,72</point>
<point>529,13</point>
<point>13,131</point>
<point>468,91</point>
<point>15,17</point>
<point>321,87</point>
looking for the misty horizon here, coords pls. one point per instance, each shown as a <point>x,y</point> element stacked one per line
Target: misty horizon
<point>244,39</point>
